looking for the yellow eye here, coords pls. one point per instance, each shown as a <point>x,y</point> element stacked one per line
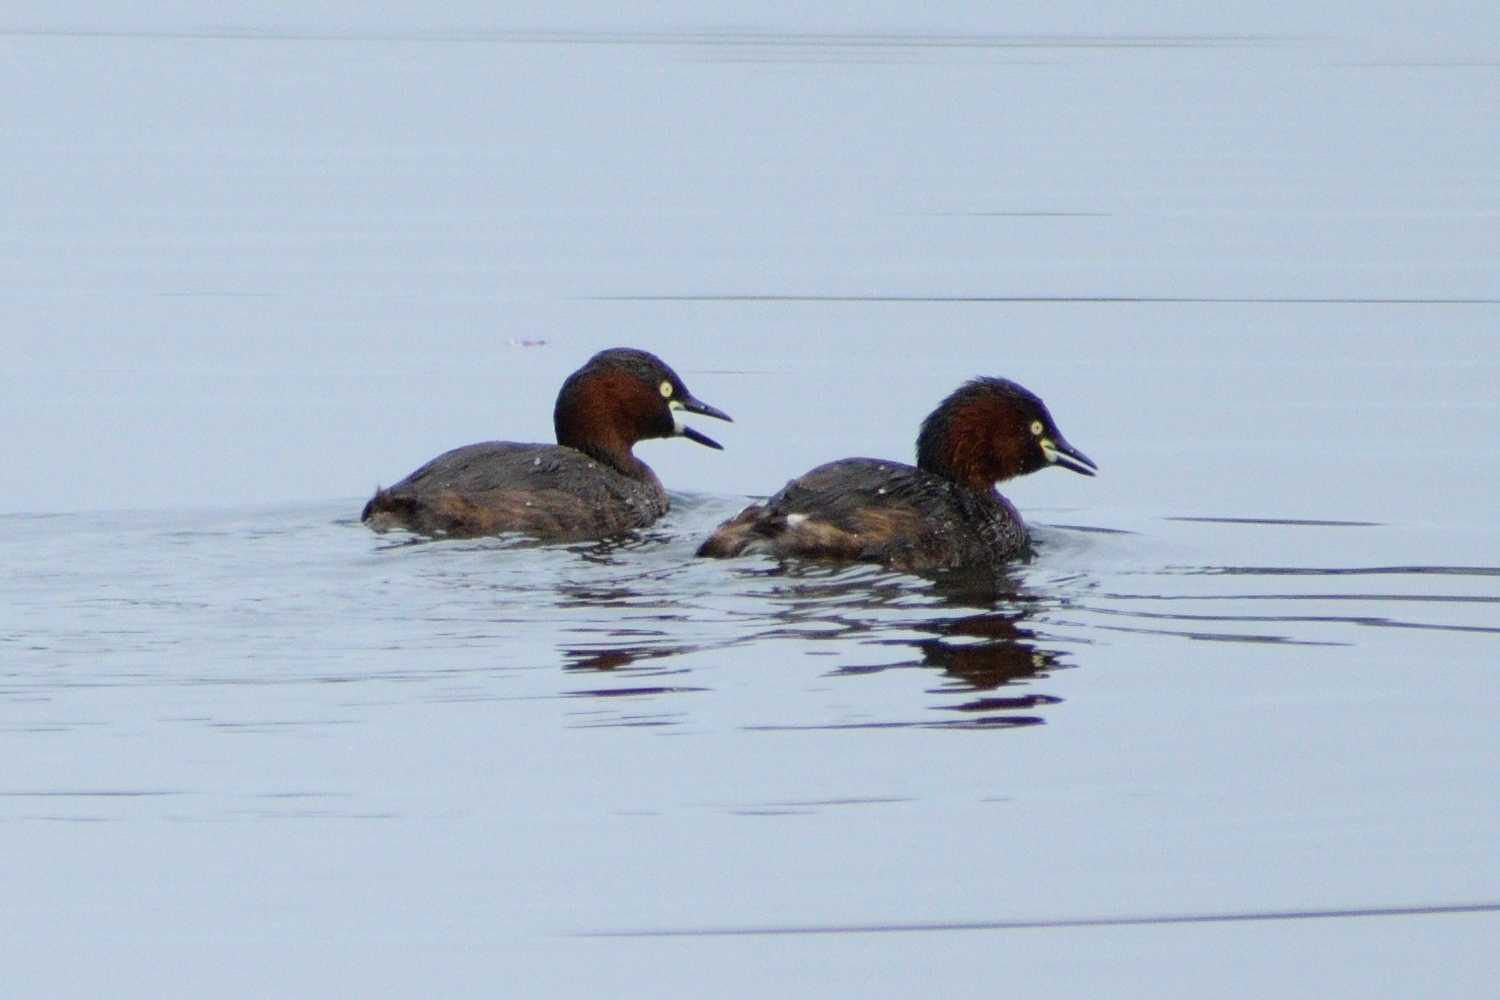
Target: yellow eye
<point>666,390</point>
<point>1037,428</point>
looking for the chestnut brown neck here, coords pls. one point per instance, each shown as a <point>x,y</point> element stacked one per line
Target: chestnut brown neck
<point>975,444</point>
<point>603,414</point>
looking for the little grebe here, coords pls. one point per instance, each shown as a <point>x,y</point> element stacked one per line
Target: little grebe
<point>944,513</point>
<point>588,485</point>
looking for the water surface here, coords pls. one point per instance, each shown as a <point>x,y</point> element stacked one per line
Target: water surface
<point>1232,726</point>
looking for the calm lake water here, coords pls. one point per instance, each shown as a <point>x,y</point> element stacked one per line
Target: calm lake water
<point>1233,727</point>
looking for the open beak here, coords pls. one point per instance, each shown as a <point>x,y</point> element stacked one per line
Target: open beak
<point>1059,452</point>
<point>690,405</point>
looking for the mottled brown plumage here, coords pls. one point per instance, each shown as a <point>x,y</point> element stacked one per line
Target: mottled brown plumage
<point>588,485</point>
<point>944,513</point>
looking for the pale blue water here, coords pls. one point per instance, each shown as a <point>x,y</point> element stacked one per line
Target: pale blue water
<point>1232,728</point>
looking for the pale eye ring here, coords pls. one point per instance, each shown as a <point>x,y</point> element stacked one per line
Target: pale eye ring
<point>666,390</point>
<point>1037,428</point>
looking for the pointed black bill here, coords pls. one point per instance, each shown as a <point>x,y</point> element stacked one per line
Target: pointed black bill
<point>690,405</point>
<point>699,437</point>
<point>697,406</point>
<point>1068,457</point>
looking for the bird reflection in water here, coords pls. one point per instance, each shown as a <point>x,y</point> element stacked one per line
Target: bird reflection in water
<point>985,660</point>
<point>978,654</point>
<point>623,659</point>
<point>630,681</point>
<point>983,653</point>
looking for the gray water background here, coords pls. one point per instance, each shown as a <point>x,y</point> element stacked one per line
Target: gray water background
<point>257,263</point>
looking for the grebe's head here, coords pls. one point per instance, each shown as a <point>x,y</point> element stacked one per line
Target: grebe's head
<point>622,396</point>
<point>990,430</point>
